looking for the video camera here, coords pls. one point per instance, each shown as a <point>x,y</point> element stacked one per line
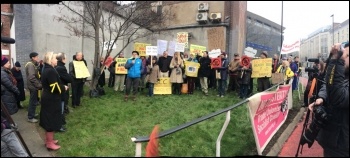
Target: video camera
<point>312,69</point>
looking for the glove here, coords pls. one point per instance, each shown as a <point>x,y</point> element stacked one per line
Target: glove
<point>175,66</point>
<point>150,69</point>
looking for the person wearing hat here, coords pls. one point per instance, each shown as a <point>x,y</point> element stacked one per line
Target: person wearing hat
<point>222,80</point>
<point>232,67</point>
<point>134,66</point>
<point>33,84</point>
<point>17,73</point>
<point>8,87</point>
<point>263,82</point>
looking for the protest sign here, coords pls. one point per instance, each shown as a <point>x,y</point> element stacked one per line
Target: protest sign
<point>108,61</point>
<point>182,37</point>
<point>180,47</point>
<point>261,68</point>
<point>277,78</point>
<point>268,111</point>
<point>171,48</point>
<point>191,68</point>
<point>141,48</point>
<point>250,52</point>
<point>196,49</point>
<point>216,38</point>
<point>119,67</point>
<point>215,63</point>
<point>108,44</point>
<point>80,69</point>
<point>290,48</point>
<point>163,86</point>
<point>214,53</point>
<point>151,50</point>
<point>162,46</point>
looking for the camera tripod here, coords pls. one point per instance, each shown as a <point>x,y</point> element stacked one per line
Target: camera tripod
<point>14,126</point>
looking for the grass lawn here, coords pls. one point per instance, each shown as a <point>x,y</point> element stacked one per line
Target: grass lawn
<point>104,126</point>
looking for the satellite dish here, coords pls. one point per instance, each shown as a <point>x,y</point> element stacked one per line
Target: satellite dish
<point>199,16</point>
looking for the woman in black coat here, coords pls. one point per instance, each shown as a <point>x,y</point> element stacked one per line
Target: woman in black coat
<point>8,87</point>
<point>51,109</point>
<point>17,73</point>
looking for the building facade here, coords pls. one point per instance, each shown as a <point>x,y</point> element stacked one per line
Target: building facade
<point>6,25</point>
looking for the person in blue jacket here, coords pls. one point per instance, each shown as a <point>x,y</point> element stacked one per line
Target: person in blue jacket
<point>134,66</point>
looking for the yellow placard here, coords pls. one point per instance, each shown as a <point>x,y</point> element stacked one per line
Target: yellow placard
<point>261,68</point>
<point>119,67</point>
<point>182,37</point>
<point>196,49</point>
<point>81,71</point>
<point>163,86</point>
<point>141,48</point>
<point>191,68</point>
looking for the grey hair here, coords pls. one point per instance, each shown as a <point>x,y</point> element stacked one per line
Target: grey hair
<point>60,56</point>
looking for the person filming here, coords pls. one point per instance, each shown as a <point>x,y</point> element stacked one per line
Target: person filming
<point>333,97</point>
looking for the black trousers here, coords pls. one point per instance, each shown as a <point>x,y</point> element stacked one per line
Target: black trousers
<point>111,80</point>
<point>263,84</point>
<point>191,82</point>
<point>134,82</point>
<point>77,90</point>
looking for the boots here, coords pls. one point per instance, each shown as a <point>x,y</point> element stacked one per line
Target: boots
<point>126,98</point>
<point>66,110</point>
<point>50,142</point>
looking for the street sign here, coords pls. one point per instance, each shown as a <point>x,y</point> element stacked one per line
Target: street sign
<point>108,44</point>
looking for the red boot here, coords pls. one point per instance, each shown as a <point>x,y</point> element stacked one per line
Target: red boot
<point>50,145</point>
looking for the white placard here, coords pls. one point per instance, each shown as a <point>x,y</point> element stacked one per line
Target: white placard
<point>171,48</point>
<point>108,44</point>
<point>162,46</point>
<point>180,47</point>
<point>151,50</point>
<point>214,53</point>
<point>250,52</point>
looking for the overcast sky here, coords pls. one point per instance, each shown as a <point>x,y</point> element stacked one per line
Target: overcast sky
<point>301,18</point>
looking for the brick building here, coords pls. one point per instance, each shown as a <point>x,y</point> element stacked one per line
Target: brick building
<point>6,23</point>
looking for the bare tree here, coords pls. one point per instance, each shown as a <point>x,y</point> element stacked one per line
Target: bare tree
<point>111,21</point>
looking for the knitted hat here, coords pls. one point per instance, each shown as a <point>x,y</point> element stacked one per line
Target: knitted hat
<point>17,64</point>
<point>4,60</point>
<point>33,54</point>
<point>264,53</point>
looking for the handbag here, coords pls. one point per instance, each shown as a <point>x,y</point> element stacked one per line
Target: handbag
<point>217,74</point>
<point>184,88</point>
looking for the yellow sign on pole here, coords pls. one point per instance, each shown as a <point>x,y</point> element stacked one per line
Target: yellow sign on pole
<point>196,49</point>
<point>163,86</point>
<point>141,48</point>
<point>119,67</point>
<point>191,68</point>
<point>81,71</point>
<point>261,68</point>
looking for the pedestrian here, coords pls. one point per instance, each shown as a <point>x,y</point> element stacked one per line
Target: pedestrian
<point>134,66</point>
<point>295,68</point>
<point>77,83</point>
<point>143,73</point>
<point>32,69</point>
<point>191,80</point>
<point>17,73</point>
<point>223,73</point>
<point>111,70</point>
<point>119,78</point>
<point>233,72</point>
<point>286,71</point>
<point>102,78</point>
<point>65,79</point>
<point>263,82</point>
<point>51,101</point>
<point>245,73</point>
<point>204,72</point>
<point>9,90</point>
<point>176,77</point>
<point>164,64</point>
<point>154,76</point>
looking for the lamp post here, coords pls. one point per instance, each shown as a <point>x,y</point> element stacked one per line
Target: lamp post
<point>281,33</point>
<point>333,27</point>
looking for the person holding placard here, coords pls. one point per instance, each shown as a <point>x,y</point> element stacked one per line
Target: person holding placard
<point>143,73</point>
<point>232,67</point>
<point>134,66</point>
<point>164,63</point>
<point>176,78</point>
<point>191,80</point>
<point>244,77</point>
<point>263,82</point>
<point>154,75</point>
<point>78,82</point>
<point>222,80</point>
<point>285,70</point>
<point>204,71</point>
<point>119,76</point>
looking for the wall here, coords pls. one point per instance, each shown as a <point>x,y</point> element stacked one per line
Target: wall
<point>6,26</point>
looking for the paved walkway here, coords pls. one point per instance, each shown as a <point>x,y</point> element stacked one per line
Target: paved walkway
<point>290,147</point>
<point>30,134</point>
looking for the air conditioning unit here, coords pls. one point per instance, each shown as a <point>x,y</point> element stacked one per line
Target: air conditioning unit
<point>202,17</point>
<point>203,7</point>
<point>215,17</point>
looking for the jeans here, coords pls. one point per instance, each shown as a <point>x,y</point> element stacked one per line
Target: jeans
<point>76,92</point>
<point>33,102</point>
<point>222,87</point>
<point>243,91</point>
<point>135,84</point>
<point>150,89</point>
<point>204,84</point>
<point>10,145</point>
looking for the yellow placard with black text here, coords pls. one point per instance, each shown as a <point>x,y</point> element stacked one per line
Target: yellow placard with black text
<point>196,49</point>
<point>120,66</point>
<point>141,48</point>
<point>163,86</point>
<point>261,68</point>
<point>191,68</point>
<point>81,71</point>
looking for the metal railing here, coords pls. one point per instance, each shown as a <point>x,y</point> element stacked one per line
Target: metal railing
<point>141,139</point>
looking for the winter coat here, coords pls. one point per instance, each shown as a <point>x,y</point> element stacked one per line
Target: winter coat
<point>111,68</point>
<point>33,76</point>
<point>233,67</point>
<point>245,77</point>
<point>20,83</point>
<point>64,77</point>
<point>8,91</point>
<point>144,67</point>
<point>223,69</point>
<point>134,70</point>
<point>154,74</point>
<point>335,95</point>
<point>204,69</point>
<point>102,78</point>
<point>176,72</point>
<point>166,62</point>
<point>288,73</point>
<point>51,110</point>
<point>72,72</point>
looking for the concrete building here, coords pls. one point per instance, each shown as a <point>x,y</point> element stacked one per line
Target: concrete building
<point>341,33</point>
<point>263,34</point>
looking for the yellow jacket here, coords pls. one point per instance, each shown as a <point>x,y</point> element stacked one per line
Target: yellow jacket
<point>288,74</point>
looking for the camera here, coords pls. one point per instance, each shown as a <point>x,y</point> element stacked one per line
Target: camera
<point>311,69</point>
<point>320,120</point>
